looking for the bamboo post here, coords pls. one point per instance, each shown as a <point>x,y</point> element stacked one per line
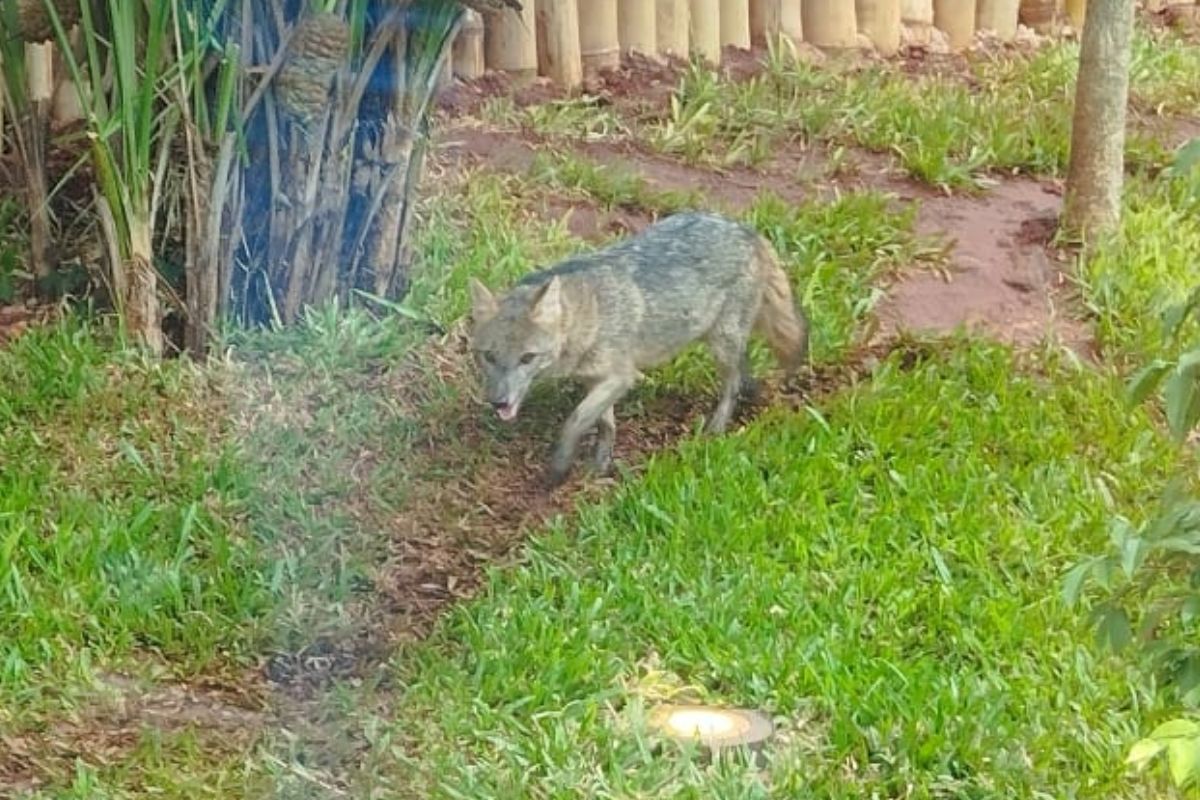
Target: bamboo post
<point>468,47</point>
<point>704,29</point>
<point>735,24</point>
<point>599,42</point>
<point>917,12</point>
<point>671,28</point>
<point>956,19</point>
<point>880,21</point>
<point>1040,15</point>
<point>637,26</point>
<point>830,23</point>
<point>917,18</point>
<point>765,21</point>
<point>999,17</point>
<point>1076,11</point>
<point>790,22</point>
<point>510,41</point>
<point>559,57</point>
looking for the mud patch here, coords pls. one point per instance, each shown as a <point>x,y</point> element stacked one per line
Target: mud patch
<point>1003,279</point>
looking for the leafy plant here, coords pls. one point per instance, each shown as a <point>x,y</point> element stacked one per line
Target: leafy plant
<point>1149,581</point>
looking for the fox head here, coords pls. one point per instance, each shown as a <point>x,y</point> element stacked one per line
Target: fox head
<point>514,340</point>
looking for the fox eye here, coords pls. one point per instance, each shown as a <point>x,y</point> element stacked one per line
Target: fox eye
<point>489,357</point>
<point>528,358</point>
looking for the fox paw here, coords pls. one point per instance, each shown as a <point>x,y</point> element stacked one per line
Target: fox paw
<point>556,476</point>
<point>602,461</point>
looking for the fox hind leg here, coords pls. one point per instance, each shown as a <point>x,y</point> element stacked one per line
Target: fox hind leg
<point>606,434</point>
<point>728,342</point>
<point>750,388</point>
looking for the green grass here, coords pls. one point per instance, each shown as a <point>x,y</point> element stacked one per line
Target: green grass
<point>120,519</point>
<point>1165,77</point>
<point>881,575</point>
<point>608,186</point>
<point>1150,262</point>
<point>943,129</point>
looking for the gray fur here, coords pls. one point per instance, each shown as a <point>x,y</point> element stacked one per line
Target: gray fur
<point>605,316</point>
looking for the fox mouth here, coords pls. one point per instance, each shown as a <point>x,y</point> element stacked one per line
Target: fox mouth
<point>507,411</point>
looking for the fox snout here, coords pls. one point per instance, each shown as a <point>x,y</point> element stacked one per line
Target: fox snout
<point>506,410</point>
<point>505,399</point>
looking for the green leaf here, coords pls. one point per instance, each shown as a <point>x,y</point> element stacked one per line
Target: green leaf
<point>1113,630</point>
<point>1132,552</point>
<point>1175,729</point>
<point>1143,752</point>
<point>1145,381</point>
<point>1173,317</point>
<point>1182,758</point>
<point>1190,609</point>
<point>1181,401</point>
<point>1187,679</point>
<point>1073,582</point>
<point>1187,157</point>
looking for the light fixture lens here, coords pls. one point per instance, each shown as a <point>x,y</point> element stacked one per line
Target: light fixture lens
<point>705,724</point>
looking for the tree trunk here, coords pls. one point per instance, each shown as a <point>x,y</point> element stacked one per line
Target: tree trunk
<point>671,28</point>
<point>830,23</point>
<point>1096,171</point>
<point>705,29</point>
<point>559,57</point>
<point>636,26</point>
<point>142,316</point>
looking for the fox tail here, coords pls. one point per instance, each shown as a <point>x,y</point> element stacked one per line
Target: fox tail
<point>781,320</point>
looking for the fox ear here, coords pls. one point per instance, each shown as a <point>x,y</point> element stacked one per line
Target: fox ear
<point>483,303</point>
<point>545,309</point>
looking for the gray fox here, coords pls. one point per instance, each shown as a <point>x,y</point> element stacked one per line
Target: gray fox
<point>603,317</point>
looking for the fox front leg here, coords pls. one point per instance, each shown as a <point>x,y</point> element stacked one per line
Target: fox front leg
<point>595,409</point>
